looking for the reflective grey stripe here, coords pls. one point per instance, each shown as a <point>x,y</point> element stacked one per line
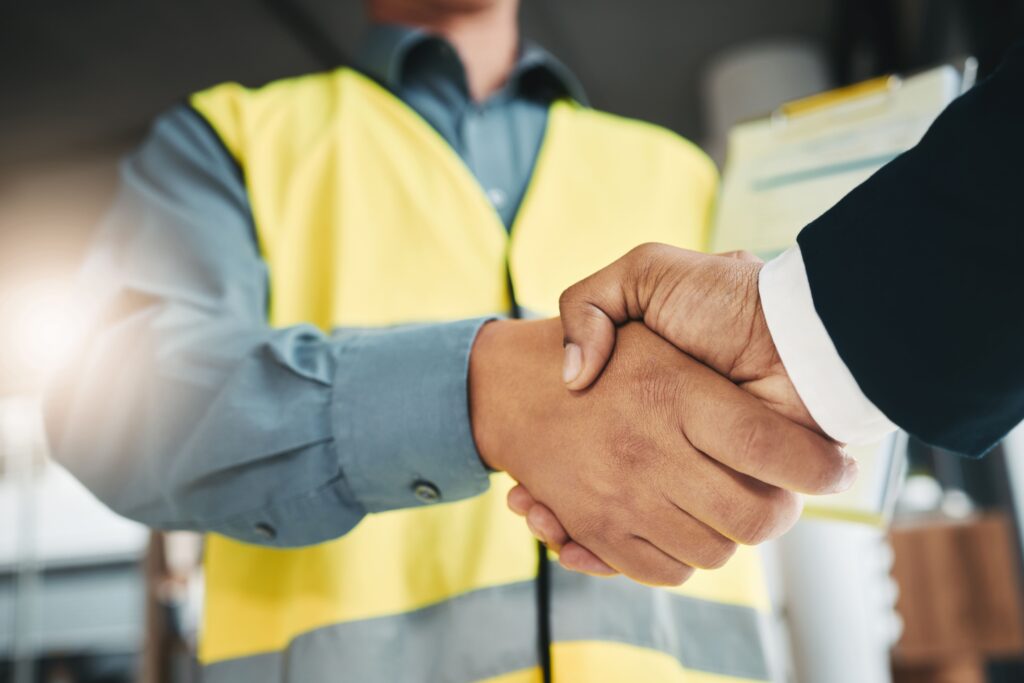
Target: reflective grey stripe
<point>492,631</point>
<point>254,669</point>
<point>705,636</point>
<point>473,636</point>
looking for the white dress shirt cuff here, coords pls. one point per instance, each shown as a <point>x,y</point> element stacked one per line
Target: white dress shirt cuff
<point>821,378</point>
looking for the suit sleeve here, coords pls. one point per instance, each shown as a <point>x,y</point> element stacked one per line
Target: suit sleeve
<point>918,274</point>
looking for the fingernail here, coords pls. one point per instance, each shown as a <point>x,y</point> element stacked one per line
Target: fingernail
<point>573,362</point>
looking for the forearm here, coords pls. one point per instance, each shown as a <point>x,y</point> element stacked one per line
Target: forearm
<point>184,409</point>
<point>280,437</point>
<point>912,272</point>
<point>513,384</point>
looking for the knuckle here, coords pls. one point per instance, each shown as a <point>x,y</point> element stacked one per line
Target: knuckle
<point>776,513</point>
<point>569,296</point>
<point>632,449</point>
<point>592,314</point>
<point>672,574</point>
<point>642,258</point>
<point>651,249</point>
<point>650,252</point>
<point>757,438</point>
<point>588,303</point>
<point>666,573</point>
<point>754,531</point>
<point>718,555</point>
<point>644,250</point>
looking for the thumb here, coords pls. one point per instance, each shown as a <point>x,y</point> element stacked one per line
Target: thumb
<point>589,342</point>
<point>590,310</point>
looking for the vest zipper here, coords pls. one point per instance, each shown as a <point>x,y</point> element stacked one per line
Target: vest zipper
<point>544,611</point>
<point>543,580</point>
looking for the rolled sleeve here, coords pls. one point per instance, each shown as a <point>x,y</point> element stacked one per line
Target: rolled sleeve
<point>401,406</point>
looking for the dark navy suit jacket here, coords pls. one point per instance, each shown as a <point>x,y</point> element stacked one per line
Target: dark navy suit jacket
<point>918,274</point>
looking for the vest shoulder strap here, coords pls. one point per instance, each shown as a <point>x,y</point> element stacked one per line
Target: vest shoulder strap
<point>311,102</point>
<point>660,149</point>
<point>305,105</point>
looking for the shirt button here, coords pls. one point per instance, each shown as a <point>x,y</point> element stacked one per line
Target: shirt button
<point>426,491</point>
<point>497,196</point>
<point>265,531</point>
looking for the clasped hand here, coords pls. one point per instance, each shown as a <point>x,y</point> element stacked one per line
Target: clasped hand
<point>650,448</point>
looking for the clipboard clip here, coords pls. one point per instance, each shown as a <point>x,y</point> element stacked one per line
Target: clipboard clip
<point>838,98</point>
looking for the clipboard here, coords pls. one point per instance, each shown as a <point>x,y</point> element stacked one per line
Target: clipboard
<point>784,170</point>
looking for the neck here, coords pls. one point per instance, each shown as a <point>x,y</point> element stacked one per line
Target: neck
<point>486,38</point>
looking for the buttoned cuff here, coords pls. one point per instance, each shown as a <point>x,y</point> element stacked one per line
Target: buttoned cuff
<point>821,378</point>
<point>322,514</point>
<point>401,415</point>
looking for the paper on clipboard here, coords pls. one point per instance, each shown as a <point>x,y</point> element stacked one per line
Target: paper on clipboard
<point>785,170</point>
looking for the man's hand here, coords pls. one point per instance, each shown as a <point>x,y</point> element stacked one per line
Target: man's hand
<point>661,466</point>
<point>705,305</point>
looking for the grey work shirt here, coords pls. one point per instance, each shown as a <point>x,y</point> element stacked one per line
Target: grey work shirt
<point>185,410</point>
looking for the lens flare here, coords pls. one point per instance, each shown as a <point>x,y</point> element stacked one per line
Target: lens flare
<point>47,322</point>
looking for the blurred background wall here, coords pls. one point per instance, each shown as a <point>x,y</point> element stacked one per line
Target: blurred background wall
<point>80,81</point>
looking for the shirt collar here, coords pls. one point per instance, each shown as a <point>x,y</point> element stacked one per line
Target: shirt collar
<point>386,49</point>
<point>539,68</point>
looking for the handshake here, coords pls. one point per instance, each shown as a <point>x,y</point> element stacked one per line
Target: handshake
<point>650,448</point>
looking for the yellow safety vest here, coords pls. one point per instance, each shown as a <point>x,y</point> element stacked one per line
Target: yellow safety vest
<point>366,217</point>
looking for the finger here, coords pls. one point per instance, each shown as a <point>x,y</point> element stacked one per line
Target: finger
<point>589,311</point>
<point>742,255</point>
<point>639,559</point>
<point>576,558</point>
<point>519,500</point>
<point>731,426</point>
<point>691,541</point>
<point>644,562</point>
<point>546,527</point>
<point>733,505</point>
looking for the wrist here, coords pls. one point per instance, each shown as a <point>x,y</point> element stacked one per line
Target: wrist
<point>513,368</point>
<point>484,360</point>
<point>757,356</point>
